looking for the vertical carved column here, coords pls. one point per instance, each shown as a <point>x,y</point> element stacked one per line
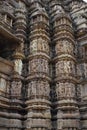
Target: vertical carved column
<point>80,23</point>
<point>20,30</point>
<point>38,104</point>
<point>82,75</point>
<point>65,62</point>
<point>18,56</point>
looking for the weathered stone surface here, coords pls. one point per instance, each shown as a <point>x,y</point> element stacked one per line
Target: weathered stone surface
<point>43,65</point>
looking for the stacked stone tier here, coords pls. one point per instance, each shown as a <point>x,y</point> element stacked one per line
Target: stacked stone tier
<point>38,80</point>
<point>20,23</point>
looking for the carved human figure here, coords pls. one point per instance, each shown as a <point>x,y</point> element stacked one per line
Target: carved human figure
<point>41,87</point>
<point>46,46</point>
<point>3,84</point>
<point>33,46</point>
<point>34,83</point>
<point>64,46</point>
<point>85,69</point>
<point>16,88</point>
<point>68,92</point>
<point>45,65</point>
<point>60,88</point>
<point>59,67</point>
<point>8,87</point>
<point>18,66</point>
<point>46,88</point>
<point>40,43</point>
<point>67,67</point>
<point>47,113</point>
<point>33,65</point>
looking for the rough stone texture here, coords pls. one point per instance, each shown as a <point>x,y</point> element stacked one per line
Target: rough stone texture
<point>43,65</point>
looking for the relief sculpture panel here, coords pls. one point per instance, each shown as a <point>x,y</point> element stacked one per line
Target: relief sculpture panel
<point>18,66</point>
<point>16,88</point>
<point>43,47</point>
<point>38,65</point>
<point>39,45</point>
<point>65,67</point>
<point>65,90</point>
<point>38,88</point>
<point>64,46</point>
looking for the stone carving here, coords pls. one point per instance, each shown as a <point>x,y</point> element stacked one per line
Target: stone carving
<point>29,122</point>
<point>38,88</point>
<point>21,6</point>
<point>80,21</point>
<point>83,91</point>
<point>15,123</point>
<point>46,89</point>
<point>79,69</point>
<point>47,114</point>
<point>45,46</point>
<point>67,67</point>
<point>64,46</point>
<point>65,90</point>
<point>38,65</point>
<point>48,123</point>
<point>18,66</point>
<point>58,9</point>
<point>78,16</point>
<point>59,67</point>
<point>39,45</point>
<point>16,88</point>
<point>4,5</point>
<point>60,120</point>
<point>58,47</point>
<point>3,84</point>
<point>78,91</point>
<point>33,46</point>
<point>8,87</point>
<point>85,69</point>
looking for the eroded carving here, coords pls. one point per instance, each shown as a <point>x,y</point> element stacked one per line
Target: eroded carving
<point>64,46</point>
<point>38,65</point>
<point>38,88</point>
<point>16,88</point>
<point>18,66</point>
<point>65,89</point>
<point>39,44</point>
<point>3,85</point>
<point>67,67</point>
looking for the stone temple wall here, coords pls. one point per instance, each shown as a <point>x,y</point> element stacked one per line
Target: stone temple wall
<point>43,65</point>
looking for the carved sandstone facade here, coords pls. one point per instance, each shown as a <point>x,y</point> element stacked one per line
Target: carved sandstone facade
<point>43,65</point>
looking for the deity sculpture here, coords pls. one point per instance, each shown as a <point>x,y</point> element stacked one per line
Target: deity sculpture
<point>33,46</point>
<point>18,66</point>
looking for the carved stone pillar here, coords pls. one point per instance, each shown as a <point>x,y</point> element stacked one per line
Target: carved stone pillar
<point>81,38</point>
<point>18,56</point>
<point>65,63</point>
<point>82,75</point>
<point>38,93</point>
<point>20,21</point>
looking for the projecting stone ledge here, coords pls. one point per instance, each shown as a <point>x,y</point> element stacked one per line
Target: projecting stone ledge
<point>6,67</point>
